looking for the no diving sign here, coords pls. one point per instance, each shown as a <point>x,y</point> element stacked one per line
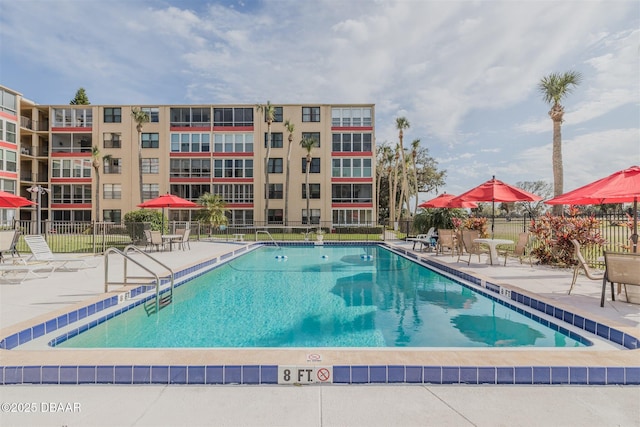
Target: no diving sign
<point>305,374</point>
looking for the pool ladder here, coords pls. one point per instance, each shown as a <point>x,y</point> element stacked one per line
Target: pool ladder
<point>268,234</point>
<point>153,305</point>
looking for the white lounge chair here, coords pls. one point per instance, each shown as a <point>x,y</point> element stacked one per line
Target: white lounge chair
<point>41,252</point>
<point>423,239</point>
<point>16,273</point>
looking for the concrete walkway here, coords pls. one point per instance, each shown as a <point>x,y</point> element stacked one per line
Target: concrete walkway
<point>317,405</point>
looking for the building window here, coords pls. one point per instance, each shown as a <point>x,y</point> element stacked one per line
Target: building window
<point>315,165</point>
<point>71,143</point>
<point>312,135</point>
<point>112,115</point>
<point>190,143</point>
<point>112,165</point>
<point>190,168</point>
<point>275,191</point>
<point>72,117</point>
<point>347,168</point>
<point>77,168</point>
<point>351,193</point>
<point>11,133</point>
<point>310,114</point>
<point>8,102</point>
<point>233,168</point>
<point>153,113</point>
<point>315,216</point>
<point>233,143</point>
<point>71,193</point>
<point>150,166</point>
<point>112,215</point>
<point>240,217</point>
<point>233,117</point>
<point>351,142</point>
<point>234,193</point>
<point>72,215</point>
<point>111,140</point>
<point>8,161</point>
<point>352,216</point>
<point>274,165</point>
<point>112,191</point>
<point>191,117</point>
<point>190,191</point>
<point>276,139</point>
<point>351,117</point>
<point>274,216</point>
<point>150,191</point>
<point>150,140</point>
<point>314,190</point>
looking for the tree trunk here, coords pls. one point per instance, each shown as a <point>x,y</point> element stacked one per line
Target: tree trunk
<point>97,194</point>
<point>556,114</point>
<point>286,193</point>
<point>139,128</point>
<point>266,175</point>
<point>307,189</point>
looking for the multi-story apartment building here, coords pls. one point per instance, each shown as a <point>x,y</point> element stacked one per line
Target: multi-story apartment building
<point>189,150</point>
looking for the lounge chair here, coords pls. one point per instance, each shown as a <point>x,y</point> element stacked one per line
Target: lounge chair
<point>582,264</point>
<point>17,273</point>
<point>41,252</point>
<point>7,242</point>
<point>521,250</point>
<point>423,239</point>
<point>471,247</point>
<point>622,268</point>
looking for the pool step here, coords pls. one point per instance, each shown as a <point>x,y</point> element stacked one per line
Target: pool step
<point>165,300</point>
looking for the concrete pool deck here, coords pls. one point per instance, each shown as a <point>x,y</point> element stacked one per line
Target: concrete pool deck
<point>34,301</point>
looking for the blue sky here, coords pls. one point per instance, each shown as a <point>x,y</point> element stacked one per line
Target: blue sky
<point>464,73</point>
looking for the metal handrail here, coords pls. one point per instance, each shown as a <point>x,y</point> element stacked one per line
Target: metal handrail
<point>268,234</point>
<point>125,255</point>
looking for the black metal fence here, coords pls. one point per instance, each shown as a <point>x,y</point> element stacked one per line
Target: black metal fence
<point>614,228</point>
<point>97,237</point>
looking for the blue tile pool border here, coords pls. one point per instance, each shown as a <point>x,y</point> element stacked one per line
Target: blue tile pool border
<point>342,374</point>
<point>345,374</point>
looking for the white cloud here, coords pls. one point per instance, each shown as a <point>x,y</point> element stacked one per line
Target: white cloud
<point>463,73</point>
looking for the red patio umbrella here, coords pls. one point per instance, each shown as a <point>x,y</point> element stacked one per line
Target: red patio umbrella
<point>444,201</point>
<point>9,200</point>
<point>620,187</point>
<point>496,191</point>
<point>168,201</point>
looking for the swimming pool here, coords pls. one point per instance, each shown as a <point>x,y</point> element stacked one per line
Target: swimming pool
<point>324,296</point>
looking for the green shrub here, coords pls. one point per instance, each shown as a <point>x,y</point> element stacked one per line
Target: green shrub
<point>137,221</point>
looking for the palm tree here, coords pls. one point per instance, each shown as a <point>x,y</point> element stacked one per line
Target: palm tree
<point>381,165</point>
<point>401,124</point>
<point>269,114</point>
<point>96,161</point>
<point>308,144</point>
<point>140,117</point>
<point>290,127</point>
<point>554,88</point>
<point>213,210</point>
<point>415,144</point>
<point>393,185</point>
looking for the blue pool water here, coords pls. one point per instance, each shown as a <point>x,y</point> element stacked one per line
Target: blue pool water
<point>323,296</point>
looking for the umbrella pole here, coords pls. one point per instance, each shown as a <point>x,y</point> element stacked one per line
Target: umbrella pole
<point>634,236</point>
<point>493,215</point>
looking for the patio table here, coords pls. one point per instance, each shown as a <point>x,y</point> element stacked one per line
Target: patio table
<point>493,244</point>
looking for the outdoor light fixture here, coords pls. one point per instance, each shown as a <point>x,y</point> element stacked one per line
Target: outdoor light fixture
<point>39,190</point>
